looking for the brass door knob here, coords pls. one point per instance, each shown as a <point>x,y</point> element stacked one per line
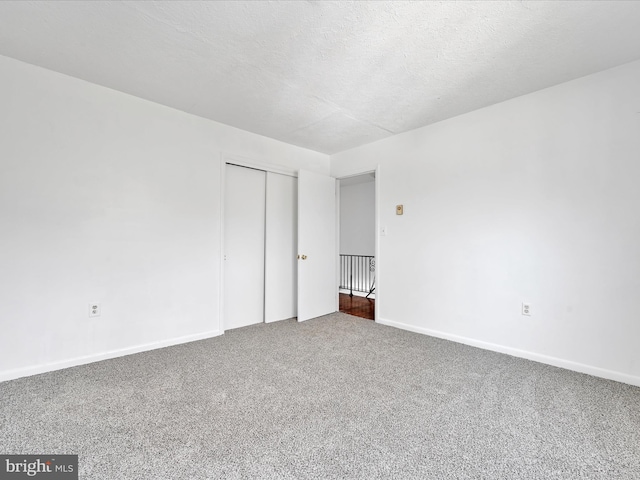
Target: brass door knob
<point>304,257</point>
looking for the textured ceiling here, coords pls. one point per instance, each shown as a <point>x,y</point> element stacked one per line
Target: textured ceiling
<point>327,76</point>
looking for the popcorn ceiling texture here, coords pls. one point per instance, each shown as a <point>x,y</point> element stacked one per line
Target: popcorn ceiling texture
<point>334,397</point>
<point>327,76</point>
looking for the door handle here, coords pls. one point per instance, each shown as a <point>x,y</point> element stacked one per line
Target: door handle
<point>303,257</point>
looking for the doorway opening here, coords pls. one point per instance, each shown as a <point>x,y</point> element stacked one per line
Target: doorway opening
<point>357,288</point>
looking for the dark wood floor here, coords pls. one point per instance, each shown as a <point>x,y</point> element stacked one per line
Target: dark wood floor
<point>358,306</point>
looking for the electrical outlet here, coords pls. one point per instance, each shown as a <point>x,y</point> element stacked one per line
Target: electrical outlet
<point>94,309</point>
<point>526,309</point>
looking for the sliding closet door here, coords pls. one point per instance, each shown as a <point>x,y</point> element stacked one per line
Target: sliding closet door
<point>244,244</point>
<point>281,247</point>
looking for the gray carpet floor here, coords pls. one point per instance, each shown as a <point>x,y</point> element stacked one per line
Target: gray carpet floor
<point>333,397</point>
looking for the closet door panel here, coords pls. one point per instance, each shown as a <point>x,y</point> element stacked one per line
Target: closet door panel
<point>281,247</point>
<point>244,244</point>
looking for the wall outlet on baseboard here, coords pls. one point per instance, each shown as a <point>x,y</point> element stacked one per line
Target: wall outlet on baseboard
<point>94,309</point>
<point>526,309</point>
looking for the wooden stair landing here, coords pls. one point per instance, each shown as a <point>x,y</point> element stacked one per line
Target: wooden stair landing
<point>358,306</point>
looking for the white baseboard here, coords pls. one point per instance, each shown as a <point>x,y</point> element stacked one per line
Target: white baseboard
<point>72,362</point>
<point>536,357</point>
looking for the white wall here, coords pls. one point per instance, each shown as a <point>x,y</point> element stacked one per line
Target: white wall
<point>357,219</point>
<point>535,199</point>
<point>108,198</point>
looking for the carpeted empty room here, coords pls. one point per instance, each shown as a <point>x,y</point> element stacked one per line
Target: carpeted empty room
<point>187,187</point>
<point>333,397</point>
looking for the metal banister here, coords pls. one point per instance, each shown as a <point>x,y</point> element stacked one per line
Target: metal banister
<point>358,273</point>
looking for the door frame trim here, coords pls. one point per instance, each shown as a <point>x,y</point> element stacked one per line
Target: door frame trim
<point>257,165</point>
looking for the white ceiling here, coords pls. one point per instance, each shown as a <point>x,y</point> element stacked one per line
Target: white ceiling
<point>327,76</point>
